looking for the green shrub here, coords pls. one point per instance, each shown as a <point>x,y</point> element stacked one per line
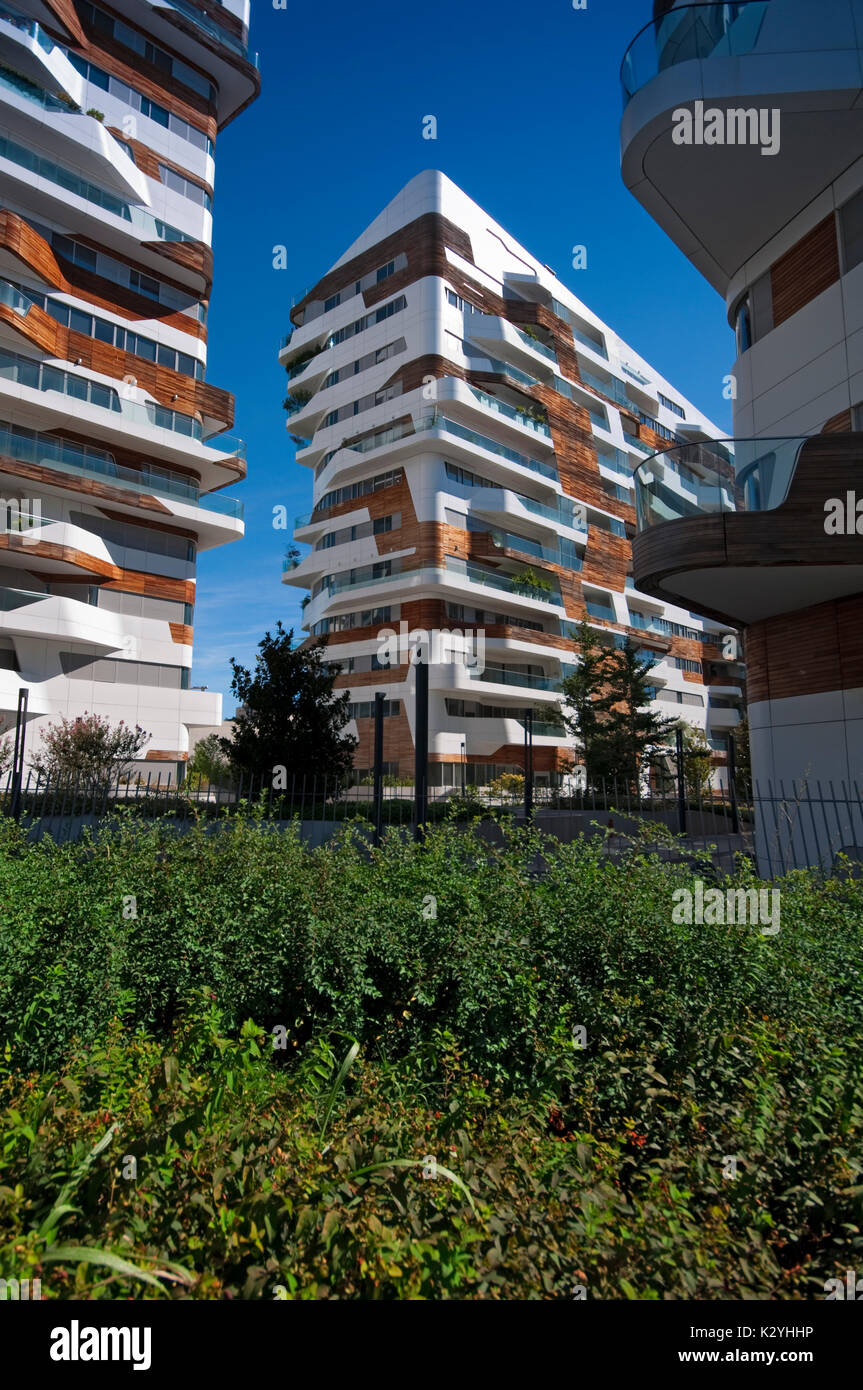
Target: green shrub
<point>461,974</point>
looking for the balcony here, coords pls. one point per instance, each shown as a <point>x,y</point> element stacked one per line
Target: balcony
<point>408,436</point>
<point>689,34</point>
<point>721,202</point>
<point>498,675</point>
<point>745,540</point>
<point>68,457</point>
<point>27,613</point>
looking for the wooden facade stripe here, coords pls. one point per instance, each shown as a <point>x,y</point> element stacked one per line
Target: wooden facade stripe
<point>806,270</point>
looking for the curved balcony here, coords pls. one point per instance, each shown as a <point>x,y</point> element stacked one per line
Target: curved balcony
<point>745,536</point>
<point>779,78</point>
<point>687,33</point>
<point>66,456</point>
<point>28,613</point>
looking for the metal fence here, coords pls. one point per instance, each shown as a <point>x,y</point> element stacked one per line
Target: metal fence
<point>781,828</point>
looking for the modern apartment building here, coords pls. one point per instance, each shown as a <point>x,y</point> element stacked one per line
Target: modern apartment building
<point>112,445</point>
<point>772,542</point>
<point>472,428</point>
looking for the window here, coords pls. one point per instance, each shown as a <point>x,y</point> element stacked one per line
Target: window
<point>81,667</point>
<point>144,284</point>
<point>672,406</point>
<point>383,274</point>
<point>685,664</point>
<point>189,188</point>
<point>851,232</point>
<point>741,327</point>
<point>366,709</point>
<point>158,58</point>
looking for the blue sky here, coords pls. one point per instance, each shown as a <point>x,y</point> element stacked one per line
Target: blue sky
<point>528,105</point>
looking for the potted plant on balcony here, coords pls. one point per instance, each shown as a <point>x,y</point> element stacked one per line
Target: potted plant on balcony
<point>295,400</point>
<point>531,581</point>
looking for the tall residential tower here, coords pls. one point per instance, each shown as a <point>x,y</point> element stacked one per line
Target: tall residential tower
<point>472,428</point>
<point>112,451</point>
<point>768,205</point>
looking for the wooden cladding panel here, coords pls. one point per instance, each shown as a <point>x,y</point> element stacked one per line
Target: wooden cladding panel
<point>807,652</point>
<point>192,255</point>
<point>423,241</point>
<point>170,388</point>
<point>87,487</point>
<point>181,633</point>
<point>145,77</point>
<point>806,270</point>
<point>838,424</point>
<point>37,256</point>
<point>148,160</point>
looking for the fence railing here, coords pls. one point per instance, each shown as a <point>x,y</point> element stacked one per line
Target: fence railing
<point>781,827</point>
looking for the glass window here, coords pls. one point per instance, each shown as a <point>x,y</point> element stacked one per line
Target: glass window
<point>104,331</point>
<point>744,334</point>
<point>80,322</point>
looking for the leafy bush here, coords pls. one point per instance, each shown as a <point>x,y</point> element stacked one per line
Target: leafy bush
<point>89,749</point>
<point>464,977</point>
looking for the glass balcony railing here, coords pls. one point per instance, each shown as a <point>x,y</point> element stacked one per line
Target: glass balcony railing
<point>507,369</point>
<point>27,25</point>
<point>67,456</point>
<point>152,228</point>
<point>42,376</point>
<point>510,412</point>
<point>613,387</point>
<point>566,512</point>
<point>498,675</point>
<point>493,579</point>
<point>542,728</point>
<point>589,342</point>
<point>13,298</point>
<point>690,32</point>
<point>565,554</point>
<point>537,345</point>
<point>25,88</point>
<point>393,433</point>
<point>701,479</point>
<point>214,30</point>
<point>10,599</point>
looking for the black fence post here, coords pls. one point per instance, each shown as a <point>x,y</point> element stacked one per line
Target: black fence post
<point>732,785</point>
<point>421,743</point>
<point>528,764</point>
<point>681,782</point>
<point>18,755</point>
<point>378,794</point>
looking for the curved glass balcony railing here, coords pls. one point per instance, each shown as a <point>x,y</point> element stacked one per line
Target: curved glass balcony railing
<point>690,32</point>
<point>14,299</point>
<point>153,228</point>
<point>499,675</point>
<point>215,30</point>
<point>66,456</point>
<point>702,479</point>
<point>25,88</point>
<point>565,554</point>
<point>393,433</point>
<point>27,25</point>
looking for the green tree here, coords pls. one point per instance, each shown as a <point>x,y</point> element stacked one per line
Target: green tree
<point>208,763</point>
<point>742,757</point>
<point>697,759</point>
<point>609,711</point>
<point>89,748</point>
<point>586,702</point>
<point>289,714</point>
<point>631,731</point>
